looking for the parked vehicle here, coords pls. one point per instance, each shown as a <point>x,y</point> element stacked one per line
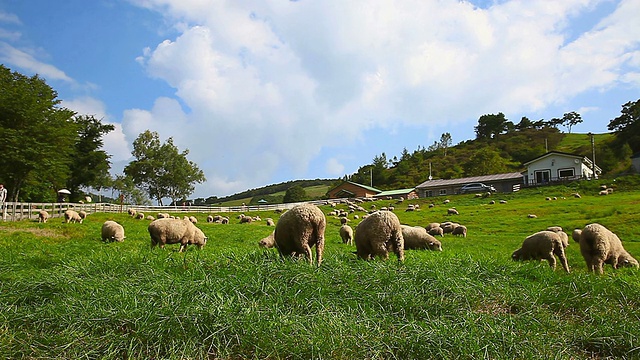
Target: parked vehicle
<point>476,187</point>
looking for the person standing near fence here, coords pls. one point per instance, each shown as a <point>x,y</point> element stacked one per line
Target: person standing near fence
<point>3,197</point>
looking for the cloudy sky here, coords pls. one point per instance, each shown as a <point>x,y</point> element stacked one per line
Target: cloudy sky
<point>262,92</point>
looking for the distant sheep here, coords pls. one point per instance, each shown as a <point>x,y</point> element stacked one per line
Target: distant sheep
<point>210,218</point>
<point>544,245</point>
<point>448,227</point>
<point>150,217</point>
<point>416,237</point>
<point>172,231</point>
<point>460,230</point>
<point>270,222</point>
<point>132,212</point>
<point>193,219</point>
<point>224,220</point>
<point>163,216</point>
<point>598,245</point>
<point>435,231</point>
<point>246,220</point>
<point>82,214</point>
<point>299,229</point>
<point>43,216</point>
<point>532,216</point>
<point>452,211</point>
<point>112,231</point>
<point>343,220</point>
<point>71,216</point>
<point>346,233</point>
<point>140,216</point>
<point>379,233</point>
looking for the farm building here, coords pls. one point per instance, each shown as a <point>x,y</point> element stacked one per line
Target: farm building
<point>556,166</point>
<point>508,182</point>
<point>349,189</point>
<point>406,194</point>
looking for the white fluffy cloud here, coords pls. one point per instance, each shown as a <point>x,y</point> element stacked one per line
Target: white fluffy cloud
<point>263,87</point>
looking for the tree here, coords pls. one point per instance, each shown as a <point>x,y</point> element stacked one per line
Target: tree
<point>161,170</point>
<point>491,125</point>
<point>485,162</point>
<point>524,123</point>
<point>570,119</point>
<point>126,189</point>
<point>627,125</point>
<point>445,142</point>
<point>36,136</point>
<point>296,193</point>
<point>89,165</point>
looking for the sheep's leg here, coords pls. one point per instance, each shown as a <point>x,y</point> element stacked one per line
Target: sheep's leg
<point>307,253</point>
<point>398,247</point>
<point>551,259</point>
<point>597,266</point>
<point>319,249</point>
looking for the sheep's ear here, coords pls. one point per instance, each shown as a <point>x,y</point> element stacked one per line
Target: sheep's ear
<point>431,243</point>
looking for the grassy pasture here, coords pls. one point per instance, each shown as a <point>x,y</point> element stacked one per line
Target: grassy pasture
<point>66,294</point>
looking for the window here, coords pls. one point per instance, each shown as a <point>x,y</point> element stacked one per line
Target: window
<point>542,176</point>
<point>443,191</point>
<point>429,193</point>
<point>562,173</point>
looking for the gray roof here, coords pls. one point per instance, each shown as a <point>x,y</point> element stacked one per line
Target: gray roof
<point>473,179</point>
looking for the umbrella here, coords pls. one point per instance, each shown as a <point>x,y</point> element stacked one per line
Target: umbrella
<point>64,191</point>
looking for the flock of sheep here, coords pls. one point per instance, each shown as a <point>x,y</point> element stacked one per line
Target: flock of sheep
<point>379,233</point>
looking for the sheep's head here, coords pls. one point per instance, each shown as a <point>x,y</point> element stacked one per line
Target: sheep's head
<point>576,235</point>
<point>435,245</point>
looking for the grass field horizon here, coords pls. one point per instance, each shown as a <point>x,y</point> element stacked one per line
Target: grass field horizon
<point>66,294</point>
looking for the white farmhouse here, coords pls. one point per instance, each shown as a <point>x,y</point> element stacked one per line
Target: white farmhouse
<point>556,166</point>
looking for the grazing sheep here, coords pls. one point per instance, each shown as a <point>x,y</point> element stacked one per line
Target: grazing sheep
<point>377,234</point>
<point>132,212</point>
<point>163,216</point>
<point>436,231</point>
<point>193,219</point>
<point>210,218</point>
<point>532,216</point>
<point>432,225</point>
<point>503,201</point>
<point>576,195</point>
<point>448,227</point>
<point>492,202</point>
<point>140,216</point>
<point>149,217</point>
<point>112,231</point>
<point>343,220</point>
<point>555,228</point>
<point>43,216</point>
<point>268,242</point>
<point>246,220</point>
<point>416,237</point>
<point>603,192</point>
<point>82,214</point>
<point>452,211</point>
<point>70,216</point>
<point>460,230</point>
<point>598,245</point>
<point>270,222</point>
<point>172,231</point>
<point>224,220</point>
<point>544,245</point>
<point>346,233</point>
<point>299,229</point>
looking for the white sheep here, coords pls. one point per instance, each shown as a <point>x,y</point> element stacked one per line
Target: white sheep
<point>346,233</point>
<point>452,211</point>
<point>150,217</point>
<point>193,219</point>
<point>299,229</point>
<point>379,233</point>
<point>71,216</point>
<point>268,242</point>
<point>436,231</point>
<point>544,245</point>
<point>43,216</point>
<point>210,218</point>
<point>598,245</point>
<point>140,216</point>
<point>172,231</point>
<point>460,230</point>
<point>270,222</point>
<point>112,231</point>
<point>82,214</point>
<point>132,212</point>
<point>416,237</point>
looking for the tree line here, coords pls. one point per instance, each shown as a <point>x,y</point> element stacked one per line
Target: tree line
<point>45,147</point>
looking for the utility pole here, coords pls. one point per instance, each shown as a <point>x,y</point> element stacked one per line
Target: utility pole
<point>371,176</point>
<point>593,155</point>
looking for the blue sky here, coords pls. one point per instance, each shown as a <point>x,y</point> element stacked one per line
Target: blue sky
<point>271,91</point>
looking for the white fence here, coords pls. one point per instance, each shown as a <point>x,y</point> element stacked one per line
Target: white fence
<point>16,211</point>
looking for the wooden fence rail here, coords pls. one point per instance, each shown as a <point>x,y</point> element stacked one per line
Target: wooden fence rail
<point>16,211</point>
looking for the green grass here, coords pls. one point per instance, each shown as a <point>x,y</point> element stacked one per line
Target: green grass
<point>66,294</point>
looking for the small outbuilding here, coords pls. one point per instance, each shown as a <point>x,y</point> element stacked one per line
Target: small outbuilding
<point>349,189</point>
<point>406,194</point>
<point>507,182</point>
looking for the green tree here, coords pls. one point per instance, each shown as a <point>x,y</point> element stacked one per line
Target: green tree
<point>89,164</point>
<point>161,170</point>
<point>485,162</point>
<point>524,123</point>
<point>627,125</point>
<point>36,136</point>
<point>491,125</point>
<point>445,142</point>
<point>570,119</point>
<point>295,193</point>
